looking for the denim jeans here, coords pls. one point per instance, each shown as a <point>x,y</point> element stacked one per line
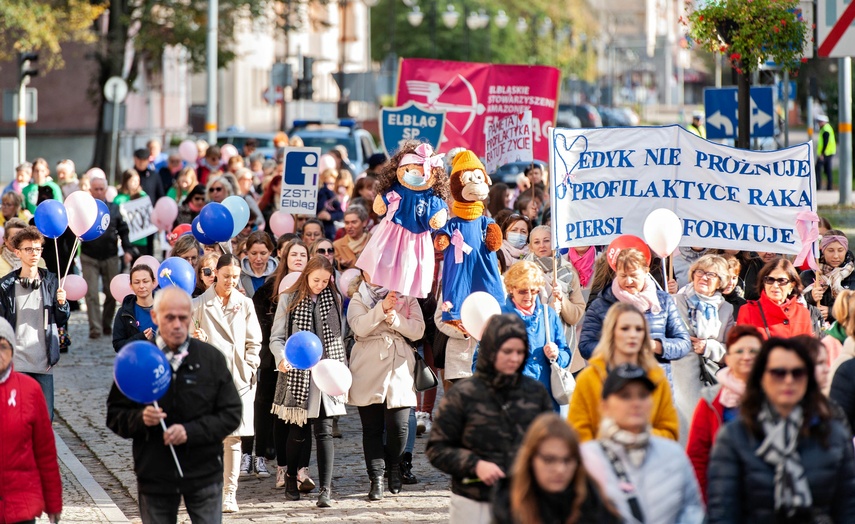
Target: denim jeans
<point>205,506</point>
<point>411,432</point>
<point>45,380</point>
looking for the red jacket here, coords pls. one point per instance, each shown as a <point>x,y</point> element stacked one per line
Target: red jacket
<point>29,472</point>
<point>787,320</point>
<point>705,424</point>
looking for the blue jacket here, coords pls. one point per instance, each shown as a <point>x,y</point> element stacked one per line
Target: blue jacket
<point>537,365</point>
<point>666,326</point>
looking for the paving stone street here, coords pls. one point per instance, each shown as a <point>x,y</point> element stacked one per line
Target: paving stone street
<point>102,486</point>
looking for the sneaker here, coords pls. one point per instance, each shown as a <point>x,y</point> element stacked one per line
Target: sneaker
<point>280,477</point>
<point>304,483</point>
<point>245,465</point>
<point>261,468</point>
<point>230,503</point>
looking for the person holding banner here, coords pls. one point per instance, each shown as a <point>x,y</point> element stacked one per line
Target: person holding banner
<point>778,312</point>
<point>836,272</point>
<point>525,283</point>
<point>201,408</point>
<point>130,189</point>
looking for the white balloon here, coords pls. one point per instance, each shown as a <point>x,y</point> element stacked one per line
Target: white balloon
<point>663,231</point>
<point>477,310</point>
<point>82,211</point>
<point>332,377</point>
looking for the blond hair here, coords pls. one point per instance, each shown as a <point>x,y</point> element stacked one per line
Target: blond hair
<point>606,347</point>
<point>524,275</point>
<point>715,264</point>
<point>844,309</point>
<point>631,259</point>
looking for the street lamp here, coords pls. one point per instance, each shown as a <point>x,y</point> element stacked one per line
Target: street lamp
<point>450,17</point>
<point>415,17</point>
<point>501,19</point>
<point>522,25</point>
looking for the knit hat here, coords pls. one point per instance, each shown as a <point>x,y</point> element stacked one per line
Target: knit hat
<point>499,329</point>
<point>7,332</point>
<point>465,161</point>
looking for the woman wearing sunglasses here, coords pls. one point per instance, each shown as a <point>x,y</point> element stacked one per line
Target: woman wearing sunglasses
<point>785,459</point>
<point>778,312</point>
<point>206,273</point>
<point>324,248</point>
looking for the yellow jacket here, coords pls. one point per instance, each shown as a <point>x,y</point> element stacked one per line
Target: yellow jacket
<point>584,413</point>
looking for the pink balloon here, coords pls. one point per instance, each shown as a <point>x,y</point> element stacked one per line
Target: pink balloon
<point>346,278</point>
<point>288,280</point>
<point>165,211</point>
<point>75,287</point>
<point>120,287</point>
<point>111,193</point>
<point>281,223</point>
<point>150,261</point>
<point>82,211</point>
<point>327,161</point>
<point>188,151</point>
<point>96,172</point>
<point>228,151</point>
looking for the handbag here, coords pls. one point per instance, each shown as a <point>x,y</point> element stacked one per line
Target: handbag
<point>423,376</point>
<point>562,383</point>
<point>708,369</point>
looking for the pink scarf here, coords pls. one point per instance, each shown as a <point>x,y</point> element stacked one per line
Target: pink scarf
<point>732,388</point>
<point>644,301</point>
<point>584,264</point>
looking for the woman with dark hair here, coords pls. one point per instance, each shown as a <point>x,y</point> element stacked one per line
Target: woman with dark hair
<point>188,248</point>
<point>481,421</point>
<point>549,483</point>
<point>206,273</point>
<point>258,264</point>
<point>528,206</point>
<point>719,404</point>
<point>785,459</point>
<point>270,198</point>
<point>313,305</point>
<point>515,231</point>
<point>130,189</point>
<point>133,320</point>
<point>836,273</point>
<point>225,318</point>
<point>778,312</point>
<point>499,198</point>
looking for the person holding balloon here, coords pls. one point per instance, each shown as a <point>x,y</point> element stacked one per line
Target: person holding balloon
<point>382,364</point>
<point>225,318</point>
<point>309,306</point>
<point>134,321</point>
<point>33,302</point>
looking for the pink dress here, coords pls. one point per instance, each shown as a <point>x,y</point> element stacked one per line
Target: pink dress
<point>400,256</point>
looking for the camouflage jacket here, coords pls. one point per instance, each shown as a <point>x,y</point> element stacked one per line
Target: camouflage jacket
<point>476,421</point>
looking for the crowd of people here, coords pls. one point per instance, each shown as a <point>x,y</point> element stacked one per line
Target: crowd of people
<point>722,394</point>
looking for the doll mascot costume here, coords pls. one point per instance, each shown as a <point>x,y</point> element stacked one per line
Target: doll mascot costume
<point>411,193</point>
<point>469,241</point>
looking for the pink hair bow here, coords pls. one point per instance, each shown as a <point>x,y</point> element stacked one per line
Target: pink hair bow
<point>460,246</point>
<point>807,225</point>
<point>423,155</point>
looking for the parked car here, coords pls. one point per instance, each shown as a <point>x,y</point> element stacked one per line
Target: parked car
<point>239,138</point>
<point>613,117</point>
<point>567,119</point>
<point>359,143</point>
<point>631,115</point>
<point>508,173</point>
<point>586,113</point>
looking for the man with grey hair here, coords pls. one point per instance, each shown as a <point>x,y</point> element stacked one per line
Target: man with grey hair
<point>66,177</point>
<point>200,409</point>
<point>350,246</point>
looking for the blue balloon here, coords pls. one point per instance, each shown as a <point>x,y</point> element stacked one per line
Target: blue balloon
<point>216,222</point>
<point>239,210</point>
<point>101,223</point>
<point>51,218</point>
<point>142,372</point>
<point>178,272</point>
<point>303,349</point>
<point>196,229</point>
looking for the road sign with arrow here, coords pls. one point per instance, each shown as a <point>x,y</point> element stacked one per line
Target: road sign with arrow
<point>720,107</point>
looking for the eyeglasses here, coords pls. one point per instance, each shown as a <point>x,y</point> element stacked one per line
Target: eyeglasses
<point>32,250</point>
<point>700,273</point>
<point>526,292</point>
<point>515,218</point>
<point>206,271</point>
<point>214,189</point>
<point>552,460</point>
<point>325,251</point>
<point>780,374</point>
<point>770,281</point>
<point>743,351</point>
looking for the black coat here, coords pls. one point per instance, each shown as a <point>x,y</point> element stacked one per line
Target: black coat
<point>843,390</point>
<point>126,329</point>
<point>202,397</point>
<point>106,246</point>
<point>265,310</point>
<point>554,509</point>
<point>152,185</point>
<point>741,484</point>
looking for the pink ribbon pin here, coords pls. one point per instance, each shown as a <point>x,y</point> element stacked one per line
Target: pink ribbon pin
<point>807,226</point>
<point>423,155</point>
<point>460,246</point>
<point>394,201</point>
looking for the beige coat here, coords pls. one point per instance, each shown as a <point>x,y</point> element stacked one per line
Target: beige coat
<point>237,335</point>
<point>572,311</point>
<point>459,349</point>
<point>382,361</point>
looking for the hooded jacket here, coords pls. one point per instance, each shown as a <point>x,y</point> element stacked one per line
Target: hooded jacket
<point>246,275</point>
<point>29,472</point>
<point>484,417</point>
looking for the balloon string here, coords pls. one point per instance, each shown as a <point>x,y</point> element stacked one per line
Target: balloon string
<point>56,250</point>
<point>70,260</point>
<point>171,447</point>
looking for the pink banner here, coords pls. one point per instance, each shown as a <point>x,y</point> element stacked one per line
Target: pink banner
<point>474,95</point>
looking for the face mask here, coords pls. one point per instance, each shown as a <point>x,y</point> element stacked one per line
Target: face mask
<point>518,240</point>
<point>414,178</point>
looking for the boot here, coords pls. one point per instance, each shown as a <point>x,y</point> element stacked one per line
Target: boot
<point>291,491</point>
<point>406,467</point>
<point>324,498</point>
<point>395,481</point>
<point>376,490</point>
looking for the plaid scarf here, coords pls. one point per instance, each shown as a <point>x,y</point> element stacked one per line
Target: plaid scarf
<point>291,400</point>
<point>778,449</point>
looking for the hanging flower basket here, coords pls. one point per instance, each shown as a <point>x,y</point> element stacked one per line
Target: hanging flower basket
<point>750,32</point>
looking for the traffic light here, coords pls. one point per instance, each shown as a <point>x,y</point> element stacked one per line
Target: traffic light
<point>26,67</point>
<point>304,89</point>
